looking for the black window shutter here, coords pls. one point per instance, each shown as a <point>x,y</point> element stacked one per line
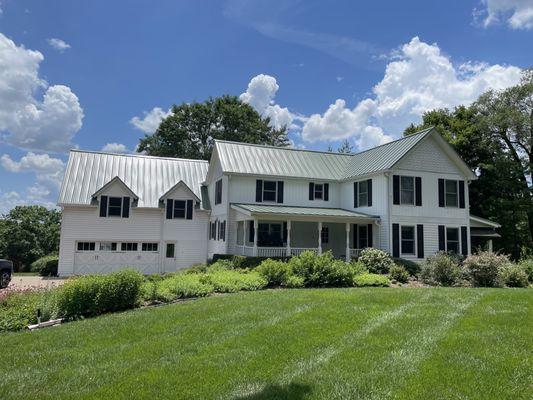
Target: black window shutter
<point>396,189</point>
<point>217,230</point>
<point>326,191</point>
<point>103,206</point>
<point>224,230</point>
<point>464,241</point>
<point>311,191</point>
<point>280,192</point>
<point>284,239</point>
<point>259,190</point>
<point>462,194</point>
<point>189,209</point>
<point>355,228</point>
<point>441,192</point>
<point>370,235</point>
<point>369,185</point>
<point>251,232</point>
<point>125,207</point>
<point>420,241</point>
<point>442,238</point>
<point>355,194</point>
<point>396,240</point>
<point>418,189</point>
<point>170,205</point>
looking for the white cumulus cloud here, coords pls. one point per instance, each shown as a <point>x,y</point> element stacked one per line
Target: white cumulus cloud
<point>115,148</point>
<point>518,14</point>
<point>59,44</point>
<point>47,169</point>
<point>260,94</point>
<point>151,120</point>
<point>26,121</point>
<point>418,79</point>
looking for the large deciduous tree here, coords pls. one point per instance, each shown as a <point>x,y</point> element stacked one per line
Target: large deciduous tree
<point>28,233</point>
<point>495,137</point>
<point>190,130</point>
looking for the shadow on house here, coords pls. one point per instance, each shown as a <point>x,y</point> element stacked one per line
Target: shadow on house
<point>293,391</point>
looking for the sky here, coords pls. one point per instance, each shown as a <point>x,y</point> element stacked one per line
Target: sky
<point>99,75</point>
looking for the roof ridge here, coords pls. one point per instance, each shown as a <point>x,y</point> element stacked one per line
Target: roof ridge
<point>137,155</point>
<point>281,148</point>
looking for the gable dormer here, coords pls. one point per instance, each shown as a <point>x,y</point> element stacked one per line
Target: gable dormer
<point>115,199</point>
<point>180,202</point>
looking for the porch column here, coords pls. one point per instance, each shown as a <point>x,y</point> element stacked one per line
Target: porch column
<point>489,245</point>
<point>243,237</point>
<point>256,228</point>
<point>288,238</point>
<point>348,225</point>
<point>320,237</point>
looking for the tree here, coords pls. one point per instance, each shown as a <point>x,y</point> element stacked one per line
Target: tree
<point>345,148</point>
<point>190,130</point>
<point>28,233</point>
<point>494,137</point>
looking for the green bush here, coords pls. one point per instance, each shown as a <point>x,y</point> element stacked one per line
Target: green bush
<point>245,262</point>
<point>413,268</point>
<point>18,309</point>
<point>483,268</point>
<point>276,272</point>
<point>46,266</point>
<point>368,279</point>
<point>441,269</point>
<point>182,286</point>
<point>294,281</point>
<point>377,261</point>
<point>231,281</point>
<point>323,270</point>
<point>398,273</point>
<point>527,267</point>
<point>221,265</point>
<point>512,275</point>
<point>97,294</point>
<point>149,290</point>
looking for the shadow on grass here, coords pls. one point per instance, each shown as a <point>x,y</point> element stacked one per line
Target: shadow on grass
<point>293,391</point>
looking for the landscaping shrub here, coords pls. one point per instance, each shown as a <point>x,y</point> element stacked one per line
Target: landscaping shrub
<point>149,290</point>
<point>276,272</point>
<point>413,268</point>
<point>323,270</point>
<point>377,261</point>
<point>398,273</point>
<point>442,269</point>
<point>512,275</point>
<point>294,281</point>
<point>527,267</point>
<point>46,266</point>
<point>221,265</point>
<point>483,268</point>
<point>368,279</point>
<point>196,269</point>
<point>182,286</point>
<point>230,281</point>
<point>97,294</point>
<point>18,308</point>
<point>245,262</point>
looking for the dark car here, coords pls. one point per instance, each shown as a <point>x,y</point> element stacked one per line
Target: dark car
<point>6,270</point>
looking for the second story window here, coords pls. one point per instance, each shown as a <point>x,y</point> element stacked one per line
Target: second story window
<point>452,193</point>
<point>114,206</point>
<point>407,190</point>
<point>363,193</point>
<point>269,190</point>
<point>218,191</point>
<point>179,208</point>
<point>319,191</point>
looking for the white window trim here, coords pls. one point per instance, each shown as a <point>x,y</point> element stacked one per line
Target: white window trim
<point>85,241</point>
<point>218,182</point>
<point>414,190</point>
<point>150,243</point>
<point>108,242</point>
<point>415,249</point>
<point>359,194</point>
<point>456,205</point>
<point>275,192</point>
<point>174,209</point>
<point>321,191</point>
<point>121,206</point>
<point>459,239</point>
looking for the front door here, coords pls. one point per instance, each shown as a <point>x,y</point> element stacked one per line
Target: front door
<point>170,257</point>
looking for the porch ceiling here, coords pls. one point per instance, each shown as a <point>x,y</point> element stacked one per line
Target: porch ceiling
<point>307,213</point>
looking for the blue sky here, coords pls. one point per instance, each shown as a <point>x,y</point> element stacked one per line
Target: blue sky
<point>100,74</point>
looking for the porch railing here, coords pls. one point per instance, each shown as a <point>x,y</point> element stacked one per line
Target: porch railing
<point>282,251</point>
<point>355,253</point>
<point>296,251</point>
<point>271,251</point>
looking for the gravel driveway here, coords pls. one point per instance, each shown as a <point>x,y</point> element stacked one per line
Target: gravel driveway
<point>25,282</point>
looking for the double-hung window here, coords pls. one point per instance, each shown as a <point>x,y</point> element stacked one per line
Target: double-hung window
<point>452,193</point>
<point>408,240</point>
<point>114,207</point>
<point>452,240</point>
<point>324,234</point>
<point>363,194</point>
<point>362,236</point>
<point>218,191</point>
<point>270,190</point>
<point>319,191</point>
<point>407,190</point>
<point>179,208</point>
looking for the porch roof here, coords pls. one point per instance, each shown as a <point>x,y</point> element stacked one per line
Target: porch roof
<point>295,211</point>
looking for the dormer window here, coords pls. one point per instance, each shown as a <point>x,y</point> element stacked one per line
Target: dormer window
<point>179,209</point>
<point>114,207</point>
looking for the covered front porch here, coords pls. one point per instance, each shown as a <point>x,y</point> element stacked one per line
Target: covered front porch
<point>279,231</point>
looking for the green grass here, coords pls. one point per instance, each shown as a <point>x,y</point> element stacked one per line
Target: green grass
<point>287,344</point>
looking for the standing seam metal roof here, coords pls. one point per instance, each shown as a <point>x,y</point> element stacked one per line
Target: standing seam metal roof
<point>148,177</point>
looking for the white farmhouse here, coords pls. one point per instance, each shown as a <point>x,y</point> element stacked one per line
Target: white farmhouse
<point>408,197</point>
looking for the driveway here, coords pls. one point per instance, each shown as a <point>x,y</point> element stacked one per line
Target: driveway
<point>26,282</point>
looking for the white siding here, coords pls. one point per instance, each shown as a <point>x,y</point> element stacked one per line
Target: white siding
<point>219,212</point>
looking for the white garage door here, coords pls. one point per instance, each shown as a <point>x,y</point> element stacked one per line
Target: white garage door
<point>105,262</point>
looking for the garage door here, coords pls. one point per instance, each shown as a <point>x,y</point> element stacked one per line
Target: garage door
<point>105,262</point>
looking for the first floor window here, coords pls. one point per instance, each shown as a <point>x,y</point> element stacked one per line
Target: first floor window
<point>452,240</point>
<point>108,246</point>
<point>319,191</point>
<point>128,246</point>
<point>363,194</point>
<point>408,240</point>
<point>170,250</point>
<point>179,208</point>
<point>86,246</point>
<point>452,193</point>
<point>269,235</point>
<point>324,234</point>
<point>407,190</point>
<point>269,190</point>
<point>149,247</point>
<point>363,236</point>
<point>114,208</point>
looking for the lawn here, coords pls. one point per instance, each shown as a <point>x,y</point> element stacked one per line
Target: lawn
<point>287,344</point>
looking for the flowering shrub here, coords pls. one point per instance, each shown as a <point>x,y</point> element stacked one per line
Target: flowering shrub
<point>377,261</point>
<point>441,269</point>
<point>512,275</point>
<point>483,268</point>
